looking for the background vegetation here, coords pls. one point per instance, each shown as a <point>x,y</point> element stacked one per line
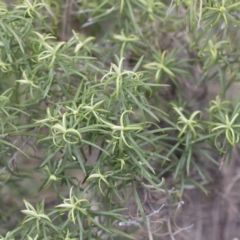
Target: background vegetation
<point>113,114</point>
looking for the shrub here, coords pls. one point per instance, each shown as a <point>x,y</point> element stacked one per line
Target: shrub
<point>121,100</point>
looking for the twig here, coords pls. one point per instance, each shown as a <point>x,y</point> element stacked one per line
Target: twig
<point>137,221</point>
<point>170,229</point>
<point>150,237</point>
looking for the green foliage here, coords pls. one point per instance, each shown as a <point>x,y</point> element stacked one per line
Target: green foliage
<point>102,94</point>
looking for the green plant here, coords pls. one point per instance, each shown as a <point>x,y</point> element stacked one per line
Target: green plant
<point>104,97</point>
